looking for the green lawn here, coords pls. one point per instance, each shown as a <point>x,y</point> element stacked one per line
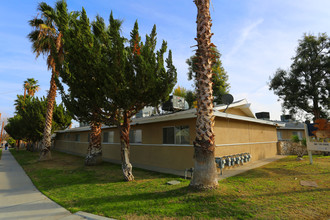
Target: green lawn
<point>270,192</point>
<point>0,152</point>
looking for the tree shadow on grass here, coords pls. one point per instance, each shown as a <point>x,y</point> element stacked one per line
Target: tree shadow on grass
<point>180,202</point>
<point>70,169</point>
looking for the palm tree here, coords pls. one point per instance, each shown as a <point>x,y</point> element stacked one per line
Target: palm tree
<point>46,39</point>
<point>205,175</point>
<point>30,86</point>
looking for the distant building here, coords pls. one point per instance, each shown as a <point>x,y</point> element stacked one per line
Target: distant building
<point>290,128</point>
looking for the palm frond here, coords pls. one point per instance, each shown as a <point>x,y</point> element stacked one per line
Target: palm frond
<point>36,22</point>
<point>46,10</point>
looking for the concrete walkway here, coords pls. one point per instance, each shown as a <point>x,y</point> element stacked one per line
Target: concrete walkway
<point>247,166</point>
<point>19,198</point>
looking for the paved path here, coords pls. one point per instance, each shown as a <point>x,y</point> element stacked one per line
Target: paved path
<point>247,166</point>
<point>19,198</point>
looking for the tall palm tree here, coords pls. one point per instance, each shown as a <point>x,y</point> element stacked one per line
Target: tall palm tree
<point>30,86</point>
<point>205,175</point>
<point>46,39</point>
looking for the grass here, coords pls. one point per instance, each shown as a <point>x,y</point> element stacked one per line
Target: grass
<point>270,192</point>
<point>0,153</point>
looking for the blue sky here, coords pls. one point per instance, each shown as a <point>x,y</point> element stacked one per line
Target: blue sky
<point>255,38</point>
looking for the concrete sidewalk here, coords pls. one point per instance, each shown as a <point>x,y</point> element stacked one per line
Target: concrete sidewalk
<point>19,198</point>
<point>228,172</point>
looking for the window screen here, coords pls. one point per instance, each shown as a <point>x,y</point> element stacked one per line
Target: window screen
<point>299,133</point>
<point>105,137</point>
<point>176,135</point>
<point>135,136</point>
<point>168,135</point>
<point>77,137</point>
<point>182,135</point>
<point>108,137</point>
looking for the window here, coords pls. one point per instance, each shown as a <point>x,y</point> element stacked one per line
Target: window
<point>168,135</point>
<point>279,135</point>
<point>108,137</point>
<point>298,133</point>
<point>135,136</point>
<point>176,135</point>
<point>89,137</point>
<point>77,137</point>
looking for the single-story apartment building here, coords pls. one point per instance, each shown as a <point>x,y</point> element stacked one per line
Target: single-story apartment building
<point>290,129</point>
<point>164,143</point>
<point>284,136</point>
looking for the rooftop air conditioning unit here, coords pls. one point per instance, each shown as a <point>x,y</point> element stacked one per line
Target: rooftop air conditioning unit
<point>286,118</point>
<point>175,103</point>
<point>83,124</point>
<point>145,112</point>
<point>263,115</point>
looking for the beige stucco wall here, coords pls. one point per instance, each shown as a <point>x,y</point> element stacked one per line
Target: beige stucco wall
<point>235,136</point>
<point>232,137</point>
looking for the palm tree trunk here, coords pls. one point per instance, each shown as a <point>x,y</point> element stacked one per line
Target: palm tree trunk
<point>45,153</point>
<point>205,175</point>
<point>24,92</point>
<point>94,151</point>
<point>124,139</point>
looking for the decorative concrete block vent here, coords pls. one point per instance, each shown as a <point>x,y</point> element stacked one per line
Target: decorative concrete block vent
<point>284,147</point>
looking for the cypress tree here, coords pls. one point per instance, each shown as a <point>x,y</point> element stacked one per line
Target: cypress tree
<point>141,79</point>
<point>83,71</point>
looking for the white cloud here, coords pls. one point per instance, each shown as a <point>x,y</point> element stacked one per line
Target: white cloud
<point>245,34</point>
